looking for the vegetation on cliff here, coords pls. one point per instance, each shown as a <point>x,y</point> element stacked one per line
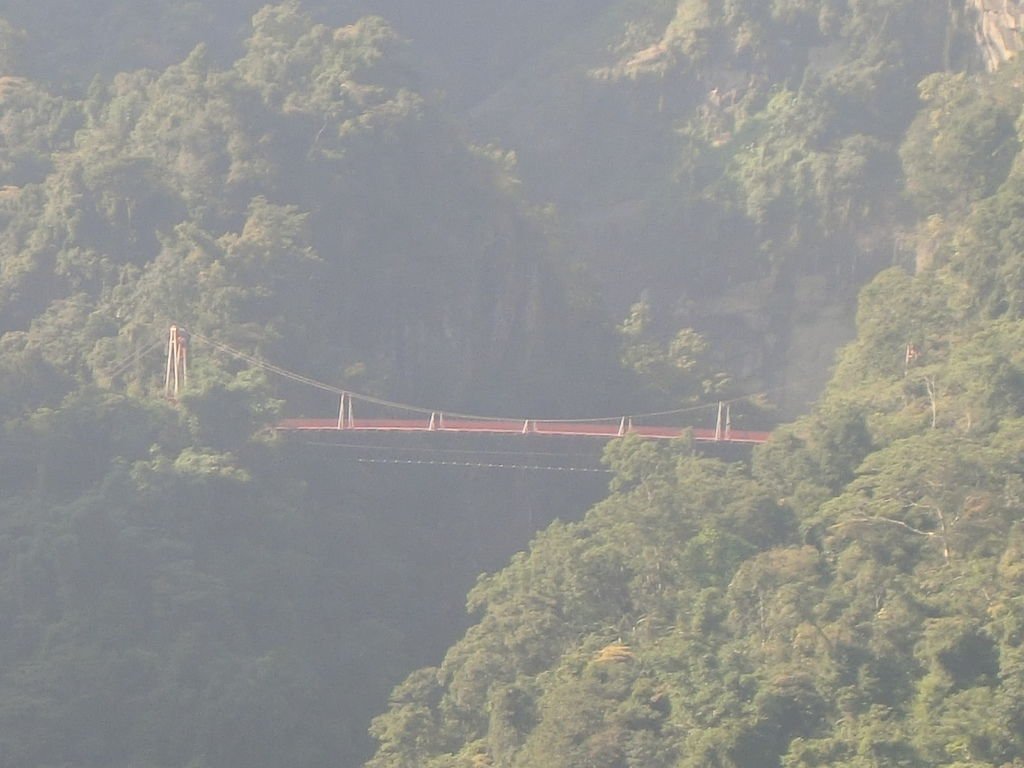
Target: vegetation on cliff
<point>179,588</point>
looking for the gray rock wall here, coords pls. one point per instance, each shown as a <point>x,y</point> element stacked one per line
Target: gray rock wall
<point>998,28</point>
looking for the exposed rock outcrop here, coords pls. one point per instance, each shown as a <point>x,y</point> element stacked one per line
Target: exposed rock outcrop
<point>998,28</point>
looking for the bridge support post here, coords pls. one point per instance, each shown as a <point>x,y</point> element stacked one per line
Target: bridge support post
<point>177,363</point>
<point>625,426</point>
<point>436,421</point>
<point>345,411</point>
<point>728,421</point>
<point>718,423</point>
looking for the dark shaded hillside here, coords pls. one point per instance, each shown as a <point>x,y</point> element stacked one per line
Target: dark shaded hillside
<point>173,605</point>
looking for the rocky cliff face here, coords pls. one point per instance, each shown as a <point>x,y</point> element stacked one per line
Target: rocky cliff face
<point>998,28</point>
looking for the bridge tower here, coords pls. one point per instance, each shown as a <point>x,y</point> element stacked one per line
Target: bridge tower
<point>345,418</point>
<point>721,434</point>
<point>177,363</point>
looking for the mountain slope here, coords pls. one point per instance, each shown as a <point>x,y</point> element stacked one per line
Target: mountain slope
<point>852,600</point>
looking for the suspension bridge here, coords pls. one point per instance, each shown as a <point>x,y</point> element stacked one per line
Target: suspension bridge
<point>403,418</point>
<point>439,422</point>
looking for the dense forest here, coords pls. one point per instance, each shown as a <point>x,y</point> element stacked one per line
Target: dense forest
<point>809,209</point>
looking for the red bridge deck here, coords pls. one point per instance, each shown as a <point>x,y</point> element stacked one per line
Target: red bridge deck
<point>523,427</point>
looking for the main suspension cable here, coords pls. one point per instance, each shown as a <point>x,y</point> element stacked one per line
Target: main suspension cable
<point>371,399</point>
